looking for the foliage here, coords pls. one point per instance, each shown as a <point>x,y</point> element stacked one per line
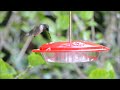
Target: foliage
<point>35,59</point>
<point>86,15</point>
<point>12,40</point>
<point>6,71</point>
<point>103,73</point>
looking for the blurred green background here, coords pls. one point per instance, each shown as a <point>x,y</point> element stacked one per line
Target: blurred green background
<point>102,27</point>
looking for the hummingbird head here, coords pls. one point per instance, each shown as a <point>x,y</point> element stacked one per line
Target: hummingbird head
<point>44,27</point>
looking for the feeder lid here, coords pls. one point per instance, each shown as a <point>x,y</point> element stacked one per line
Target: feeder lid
<point>71,46</point>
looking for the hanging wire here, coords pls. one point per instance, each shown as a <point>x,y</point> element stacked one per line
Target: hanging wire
<point>70,26</point>
<point>93,30</point>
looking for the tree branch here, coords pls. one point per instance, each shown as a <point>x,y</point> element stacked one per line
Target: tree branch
<point>26,70</point>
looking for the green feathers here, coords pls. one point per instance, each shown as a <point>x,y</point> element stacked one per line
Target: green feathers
<point>46,35</point>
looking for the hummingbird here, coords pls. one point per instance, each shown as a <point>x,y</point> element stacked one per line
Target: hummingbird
<point>42,29</point>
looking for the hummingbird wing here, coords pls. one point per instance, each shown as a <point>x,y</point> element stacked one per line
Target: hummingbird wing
<point>33,31</point>
<point>46,35</point>
<point>30,32</point>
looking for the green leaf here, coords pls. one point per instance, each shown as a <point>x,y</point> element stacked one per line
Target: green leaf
<point>62,21</point>
<point>6,71</point>
<point>99,73</point>
<point>56,13</point>
<point>28,14</point>
<point>86,35</point>
<point>109,68</point>
<point>89,69</point>
<point>2,15</point>
<point>103,73</point>
<point>35,59</point>
<point>6,76</point>
<point>40,16</point>
<point>99,36</point>
<point>86,15</point>
<point>91,23</point>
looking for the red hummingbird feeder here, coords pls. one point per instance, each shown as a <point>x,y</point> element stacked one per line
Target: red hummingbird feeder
<point>71,51</point>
